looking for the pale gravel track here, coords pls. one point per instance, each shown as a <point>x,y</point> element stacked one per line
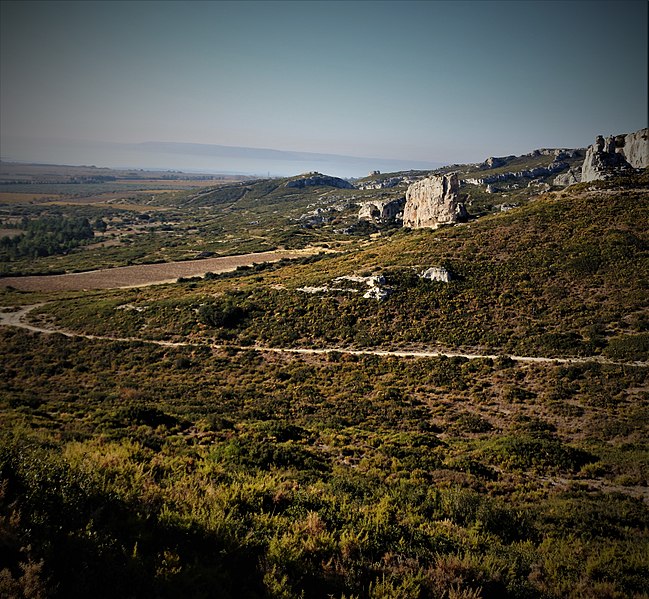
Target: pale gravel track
<point>16,319</point>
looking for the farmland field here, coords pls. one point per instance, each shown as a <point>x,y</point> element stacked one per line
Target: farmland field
<point>143,274</point>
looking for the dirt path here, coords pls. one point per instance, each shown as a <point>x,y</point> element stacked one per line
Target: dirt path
<point>15,318</point>
<point>146,274</point>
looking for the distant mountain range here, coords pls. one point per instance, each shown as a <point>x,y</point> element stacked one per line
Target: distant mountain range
<point>211,158</point>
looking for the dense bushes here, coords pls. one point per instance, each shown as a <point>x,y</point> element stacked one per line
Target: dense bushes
<point>244,475</point>
<point>46,236</point>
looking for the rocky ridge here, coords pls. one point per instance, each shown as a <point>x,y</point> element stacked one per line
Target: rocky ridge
<point>318,179</point>
<point>387,182</point>
<point>532,173</point>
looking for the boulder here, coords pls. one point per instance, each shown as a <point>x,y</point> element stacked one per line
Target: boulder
<point>601,160</point>
<point>434,201</point>
<point>436,273</point>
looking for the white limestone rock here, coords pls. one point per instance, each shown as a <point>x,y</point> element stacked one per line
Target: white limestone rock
<point>381,210</point>
<point>611,156</point>
<point>570,177</point>
<point>436,273</point>
<point>635,148</point>
<point>434,201</point>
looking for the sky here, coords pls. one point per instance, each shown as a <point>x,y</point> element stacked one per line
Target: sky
<point>420,82</point>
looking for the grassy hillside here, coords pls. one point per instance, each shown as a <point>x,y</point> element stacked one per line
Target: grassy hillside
<point>564,275</point>
<point>130,469</point>
<point>134,469</point>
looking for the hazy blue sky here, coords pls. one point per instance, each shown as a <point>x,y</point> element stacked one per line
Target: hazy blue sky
<point>427,81</point>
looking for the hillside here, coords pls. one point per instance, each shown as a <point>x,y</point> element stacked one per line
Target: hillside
<point>168,444</point>
<point>564,275</point>
<point>173,219</point>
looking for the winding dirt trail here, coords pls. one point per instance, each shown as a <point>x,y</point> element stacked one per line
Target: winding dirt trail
<point>16,318</point>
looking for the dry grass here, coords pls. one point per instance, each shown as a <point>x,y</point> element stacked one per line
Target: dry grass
<point>10,197</point>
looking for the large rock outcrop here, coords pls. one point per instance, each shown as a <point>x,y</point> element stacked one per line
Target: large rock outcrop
<point>602,161</point>
<point>635,148</point>
<point>616,155</point>
<point>381,210</point>
<point>570,177</point>
<point>434,201</point>
<point>318,179</point>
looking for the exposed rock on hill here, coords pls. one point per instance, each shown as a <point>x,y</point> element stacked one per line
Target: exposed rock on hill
<point>610,156</point>
<point>570,177</point>
<point>318,179</point>
<point>635,148</point>
<point>496,162</point>
<point>387,182</point>
<point>532,173</point>
<point>436,273</point>
<point>602,161</point>
<point>376,284</point>
<point>381,210</point>
<point>434,201</point>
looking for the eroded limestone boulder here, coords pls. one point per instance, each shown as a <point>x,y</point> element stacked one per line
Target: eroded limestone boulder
<point>436,273</point>
<point>434,201</point>
<point>381,210</point>
<point>570,177</point>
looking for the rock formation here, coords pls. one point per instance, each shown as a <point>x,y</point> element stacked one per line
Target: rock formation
<point>434,201</point>
<point>635,148</point>
<point>496,162</point>
<point>570,177</point>
<point>532,173</point>
<point>316,179</point>
<point>602,161</point>
<point>612,156</point>
<point>387,182</point>
<point>436,273</point>
<point>381,210</point>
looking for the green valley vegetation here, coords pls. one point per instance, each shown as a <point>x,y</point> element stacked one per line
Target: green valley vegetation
<point>45,237</point>
<point>564,275</point>
<point>133,467</point>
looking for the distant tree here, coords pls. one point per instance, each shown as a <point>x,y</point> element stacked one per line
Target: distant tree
<point>100,225</point>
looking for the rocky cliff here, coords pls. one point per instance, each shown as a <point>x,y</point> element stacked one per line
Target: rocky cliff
<point>602,161</point>
<point>635,148</point>
<point>434,201</point>
<point>611,156</point>
<point>318,179</point>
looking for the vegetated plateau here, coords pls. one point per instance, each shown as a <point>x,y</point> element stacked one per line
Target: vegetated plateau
<point>218,468</point>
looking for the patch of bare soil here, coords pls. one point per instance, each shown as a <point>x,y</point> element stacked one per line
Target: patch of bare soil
<point>144,274</point>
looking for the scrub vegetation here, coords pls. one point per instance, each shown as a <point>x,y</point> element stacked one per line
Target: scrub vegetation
<point>219,469</point>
